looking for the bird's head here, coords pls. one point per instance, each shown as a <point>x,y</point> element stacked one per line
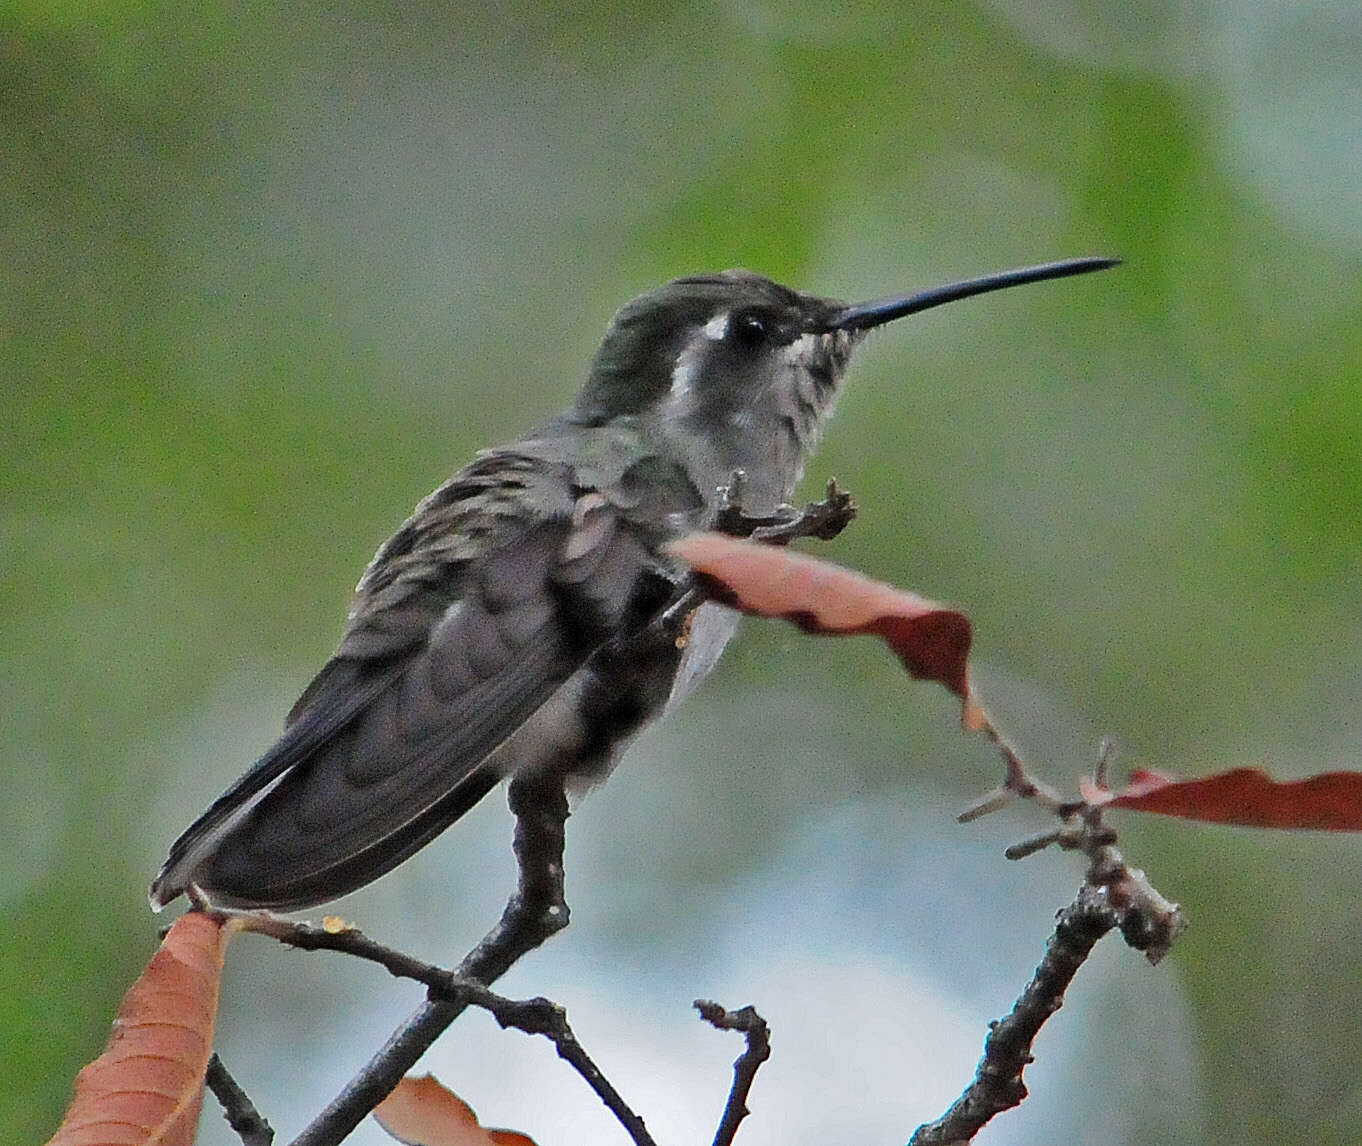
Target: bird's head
<point>738,372</point>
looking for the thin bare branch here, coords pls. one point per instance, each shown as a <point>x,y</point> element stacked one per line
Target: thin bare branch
<point>998,1084</point>
<point>237,1107</point>
<point>545,1017</point>
<point>1017,781</point>
<point>1149,922</point>
<point>1114,895</point>
<point>821,519</point>
<point>334,935</point>
<point>745,1066</point>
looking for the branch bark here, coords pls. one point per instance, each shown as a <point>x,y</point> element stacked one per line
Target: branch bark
<point>998,1084</point>
<point>237,1107</point>
<point>745,1066</point>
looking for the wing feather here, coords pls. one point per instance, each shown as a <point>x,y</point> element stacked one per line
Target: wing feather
<point>388,747</point>
<point>470,621</point>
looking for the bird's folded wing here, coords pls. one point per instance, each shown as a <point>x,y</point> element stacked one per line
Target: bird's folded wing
<point>386,749</point>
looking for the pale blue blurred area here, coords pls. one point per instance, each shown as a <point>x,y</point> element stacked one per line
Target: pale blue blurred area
<point>267,275</point>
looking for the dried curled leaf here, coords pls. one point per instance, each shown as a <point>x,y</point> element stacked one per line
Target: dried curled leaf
<point>932,641</point>
<point>147,1086</point>
<point>1330,801</point>
<point>422,1111</point>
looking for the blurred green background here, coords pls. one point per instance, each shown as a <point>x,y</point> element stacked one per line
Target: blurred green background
<point>268,273</point>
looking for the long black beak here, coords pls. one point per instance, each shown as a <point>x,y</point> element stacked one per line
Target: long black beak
<point>864,315</point>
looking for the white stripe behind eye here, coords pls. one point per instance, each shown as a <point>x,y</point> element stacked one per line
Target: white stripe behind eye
<point>683,373</point>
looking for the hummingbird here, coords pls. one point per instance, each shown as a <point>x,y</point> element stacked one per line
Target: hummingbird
<point>502,631</point>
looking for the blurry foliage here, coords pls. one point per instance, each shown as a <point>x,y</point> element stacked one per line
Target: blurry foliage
<point>268,273</point>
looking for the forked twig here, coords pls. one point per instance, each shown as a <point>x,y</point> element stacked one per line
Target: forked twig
<point>1113,895</point>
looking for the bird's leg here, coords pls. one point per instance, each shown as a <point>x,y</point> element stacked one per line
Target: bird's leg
<point>537,910</point>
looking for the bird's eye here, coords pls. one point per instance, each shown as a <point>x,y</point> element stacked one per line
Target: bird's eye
<point>749,329</point>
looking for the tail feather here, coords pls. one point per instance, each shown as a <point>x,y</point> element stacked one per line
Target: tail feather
<point>342,690</point>
<point>234,876</point>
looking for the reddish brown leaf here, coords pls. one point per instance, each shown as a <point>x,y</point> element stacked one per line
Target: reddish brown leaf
<point>765,581</point>
<point>1330,801</point>
<point>147,1086</point>
<point>421,1111</point>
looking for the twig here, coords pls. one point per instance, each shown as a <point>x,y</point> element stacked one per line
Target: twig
<point>1113,894</point>
<point>745,1066</point>
<point>237,1107</point>
<point>821,519</point>
<point>547,1018</point>
<point>1148,920</point>
<point>1018,784</point>
<point>333,935</point>
<point>535,912</point>
<point>998,1084</point>
<point>536,1016</point>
